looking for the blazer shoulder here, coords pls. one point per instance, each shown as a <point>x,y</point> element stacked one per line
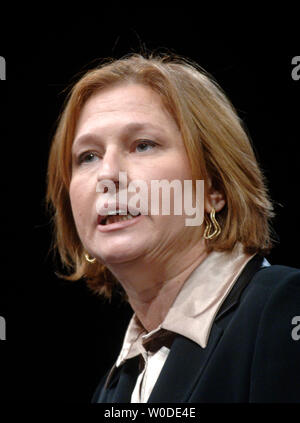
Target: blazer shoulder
<point>276,366</point>
<point>277,276</point>
<point>270,288</point>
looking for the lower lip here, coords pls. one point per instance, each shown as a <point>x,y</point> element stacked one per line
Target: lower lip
<point>119,225</point>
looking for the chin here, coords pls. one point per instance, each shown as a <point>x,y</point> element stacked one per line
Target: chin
<point>119,249</point>
<point>117,256</point>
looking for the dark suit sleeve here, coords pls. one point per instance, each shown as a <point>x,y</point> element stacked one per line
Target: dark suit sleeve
<point>98,390</point>
<point>275,372</point>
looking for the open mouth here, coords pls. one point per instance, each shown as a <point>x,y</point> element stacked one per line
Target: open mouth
<point>113,218</point>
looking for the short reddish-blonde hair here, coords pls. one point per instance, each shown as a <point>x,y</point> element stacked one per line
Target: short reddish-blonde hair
<point>215,140</point>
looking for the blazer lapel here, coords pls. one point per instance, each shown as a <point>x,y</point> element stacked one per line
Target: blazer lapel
<point>184,366</point>
<point>122,381</point>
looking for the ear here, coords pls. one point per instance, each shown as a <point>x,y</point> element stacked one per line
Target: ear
<point>214,198</point>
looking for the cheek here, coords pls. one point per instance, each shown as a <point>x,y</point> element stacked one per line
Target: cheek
<point>176,167</point>
<point>173,168</point>
<point>79,198</point>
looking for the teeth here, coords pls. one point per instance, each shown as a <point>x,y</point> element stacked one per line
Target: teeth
<point>112,218</point>
<point>114,213</point>
<point>116,218</point>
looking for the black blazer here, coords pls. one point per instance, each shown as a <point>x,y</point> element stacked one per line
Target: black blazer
<point>253,352</point>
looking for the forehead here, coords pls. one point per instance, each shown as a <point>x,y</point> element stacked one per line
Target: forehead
<point>127,94</point>
<point>124,103</point>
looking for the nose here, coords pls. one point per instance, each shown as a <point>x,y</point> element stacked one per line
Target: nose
<point>111,165</point>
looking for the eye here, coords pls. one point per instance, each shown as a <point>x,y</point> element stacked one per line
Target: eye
<point>87,157</point>
<point>145,145</point>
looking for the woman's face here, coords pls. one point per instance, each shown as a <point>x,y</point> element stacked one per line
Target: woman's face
<point>125,128</point>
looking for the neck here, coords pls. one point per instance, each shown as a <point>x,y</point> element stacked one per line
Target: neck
<point>152,286</point>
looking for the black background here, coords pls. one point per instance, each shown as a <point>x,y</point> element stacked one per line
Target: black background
<point>60,337</point>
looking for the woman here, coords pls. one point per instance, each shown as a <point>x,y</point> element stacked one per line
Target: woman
<point>212,319</point>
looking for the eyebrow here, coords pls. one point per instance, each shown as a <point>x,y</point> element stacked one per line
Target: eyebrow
<point>126,130</point>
